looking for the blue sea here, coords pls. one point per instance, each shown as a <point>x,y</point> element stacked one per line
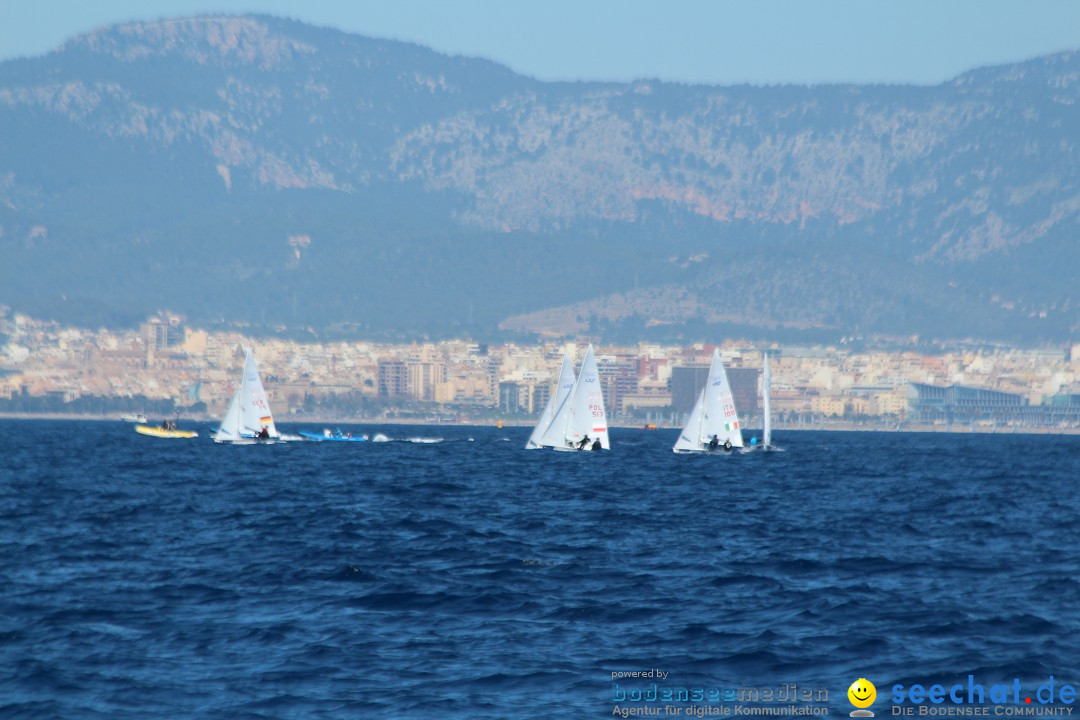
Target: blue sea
<point>449,573</point>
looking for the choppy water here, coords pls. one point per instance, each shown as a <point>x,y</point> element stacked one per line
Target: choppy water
<point>468,578</point>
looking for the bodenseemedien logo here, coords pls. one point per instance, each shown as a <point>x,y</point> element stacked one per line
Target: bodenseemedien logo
<point>862,694</point>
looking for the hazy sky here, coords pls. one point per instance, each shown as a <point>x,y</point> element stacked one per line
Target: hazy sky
<point>709,41</point>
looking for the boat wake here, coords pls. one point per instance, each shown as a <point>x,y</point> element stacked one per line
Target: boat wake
<point>762,449</point>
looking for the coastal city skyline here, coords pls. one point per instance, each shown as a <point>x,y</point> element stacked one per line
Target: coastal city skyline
<point>467,381</point>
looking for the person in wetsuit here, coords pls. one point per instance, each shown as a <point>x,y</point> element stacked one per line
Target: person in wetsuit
<point>713,443</point>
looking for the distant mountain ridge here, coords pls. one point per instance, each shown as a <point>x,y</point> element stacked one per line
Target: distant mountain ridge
<point>259,170</point>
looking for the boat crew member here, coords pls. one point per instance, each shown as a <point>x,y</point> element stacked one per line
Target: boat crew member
<point>713,443</point>
<point>727,446</point>
<point>596,445</point>
<point>264,434</point>
<point>583,443</point>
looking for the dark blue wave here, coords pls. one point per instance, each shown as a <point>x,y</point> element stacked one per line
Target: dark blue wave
<point>470,578</point>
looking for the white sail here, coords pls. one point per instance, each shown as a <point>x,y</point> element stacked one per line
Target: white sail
<point>588,418</point>
<point>249,411</point>
<point>581,412</point>
<point>254,405</point>
<point>690,437</point>
<point>555,435</point>
<point>566,384</point>
<point>229,430</point>
<point>713,415</point>
<point>766,433</point>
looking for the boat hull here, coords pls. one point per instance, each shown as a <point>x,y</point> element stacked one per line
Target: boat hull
<point>153,431</point>
<point>717,451</point>
<point>317,437</point>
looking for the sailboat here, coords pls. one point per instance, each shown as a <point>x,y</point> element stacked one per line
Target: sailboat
<point>766,390</point>
<point>566,384</point>
<point>580,421</point>
<point>713,415</point>
<point>249,410</point>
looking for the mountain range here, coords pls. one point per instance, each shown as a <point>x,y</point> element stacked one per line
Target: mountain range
<point>260,171</point>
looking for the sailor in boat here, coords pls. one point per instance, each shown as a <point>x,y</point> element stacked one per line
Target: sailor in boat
<point>714,443</point>
<point>596,445</point>
<point>583,443</point>
<point>727,446</point>
<point>264,434</point>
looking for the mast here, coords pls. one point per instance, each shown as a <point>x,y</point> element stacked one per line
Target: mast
<point>766,391</point>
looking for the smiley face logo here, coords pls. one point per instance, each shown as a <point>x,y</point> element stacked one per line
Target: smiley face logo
<point>862,694</point>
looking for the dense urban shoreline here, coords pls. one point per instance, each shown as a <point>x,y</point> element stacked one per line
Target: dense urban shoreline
<point>166,367</point>
<point>829,427</point>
